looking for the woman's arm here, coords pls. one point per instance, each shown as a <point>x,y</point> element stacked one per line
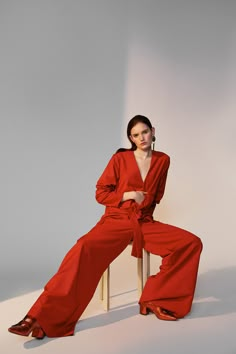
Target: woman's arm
<point>162,183</point>
<point>106,192</point>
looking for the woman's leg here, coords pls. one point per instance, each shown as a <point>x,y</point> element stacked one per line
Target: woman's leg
<point>69,291</point>
<point>173,287</point>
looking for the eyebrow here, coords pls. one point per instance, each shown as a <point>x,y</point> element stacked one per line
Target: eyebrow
<point>144,131</point>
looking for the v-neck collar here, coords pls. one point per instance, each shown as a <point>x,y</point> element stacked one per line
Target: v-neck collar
<point>139,172</point>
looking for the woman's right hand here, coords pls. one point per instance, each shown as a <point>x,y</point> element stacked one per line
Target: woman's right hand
<point>137,196</point>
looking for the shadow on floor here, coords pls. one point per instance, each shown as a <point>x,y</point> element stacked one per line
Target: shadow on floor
<point>215,293</point>
<point>101,320</point>
<point>215,296</point>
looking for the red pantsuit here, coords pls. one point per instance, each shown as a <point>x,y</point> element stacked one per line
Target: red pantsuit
<point>69,291</point>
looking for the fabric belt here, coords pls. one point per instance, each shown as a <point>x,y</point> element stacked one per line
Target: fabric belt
<point>137,248</point>
<point>136,216</point>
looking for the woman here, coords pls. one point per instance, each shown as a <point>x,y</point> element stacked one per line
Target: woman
<point>130,187</point>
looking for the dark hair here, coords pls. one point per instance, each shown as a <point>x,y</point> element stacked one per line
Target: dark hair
<point>135,120</point>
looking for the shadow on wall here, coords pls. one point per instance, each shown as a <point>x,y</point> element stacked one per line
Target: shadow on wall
<point>16,284</point>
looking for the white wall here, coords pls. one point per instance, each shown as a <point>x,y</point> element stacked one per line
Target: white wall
<point>62,69</point>
<point>182,74</point>
<point>72,74</point>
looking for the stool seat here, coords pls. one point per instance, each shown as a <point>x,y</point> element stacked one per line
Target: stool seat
<point>143,272</point>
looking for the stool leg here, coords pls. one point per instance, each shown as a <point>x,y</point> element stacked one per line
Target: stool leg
<point>143,265</point>
<point>105,289</point>
<point>143,268</point>
<point>140,275</point>
<point>146,267</point>
<point>101,287</point>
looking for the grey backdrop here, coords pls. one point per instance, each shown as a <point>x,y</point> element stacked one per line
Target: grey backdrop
<point>72,74</point>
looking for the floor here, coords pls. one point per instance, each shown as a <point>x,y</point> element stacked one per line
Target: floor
<point>210,328</point>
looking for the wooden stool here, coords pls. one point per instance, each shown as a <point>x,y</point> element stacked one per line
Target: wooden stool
<point>143,270</point>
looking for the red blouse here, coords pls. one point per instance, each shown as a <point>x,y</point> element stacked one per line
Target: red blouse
<point>122,175</point>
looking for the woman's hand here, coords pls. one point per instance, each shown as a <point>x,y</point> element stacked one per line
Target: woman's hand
<point>137,196</point>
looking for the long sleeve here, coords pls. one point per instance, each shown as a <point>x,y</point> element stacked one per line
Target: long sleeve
<point>106,187</point>
<point>162,183</point>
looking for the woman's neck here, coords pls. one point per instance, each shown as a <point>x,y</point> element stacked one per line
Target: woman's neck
<point>141,154</point>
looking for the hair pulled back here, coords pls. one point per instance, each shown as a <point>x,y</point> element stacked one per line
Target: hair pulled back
<point>135,120</point>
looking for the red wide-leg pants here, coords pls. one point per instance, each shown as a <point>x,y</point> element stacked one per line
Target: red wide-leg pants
<point>69,291</point>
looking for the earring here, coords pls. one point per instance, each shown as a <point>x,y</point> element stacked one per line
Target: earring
<point>153,142</point>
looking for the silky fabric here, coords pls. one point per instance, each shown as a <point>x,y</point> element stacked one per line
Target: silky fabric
<point>69,291</point>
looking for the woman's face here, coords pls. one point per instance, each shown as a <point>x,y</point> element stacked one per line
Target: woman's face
<point>141,135</point>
